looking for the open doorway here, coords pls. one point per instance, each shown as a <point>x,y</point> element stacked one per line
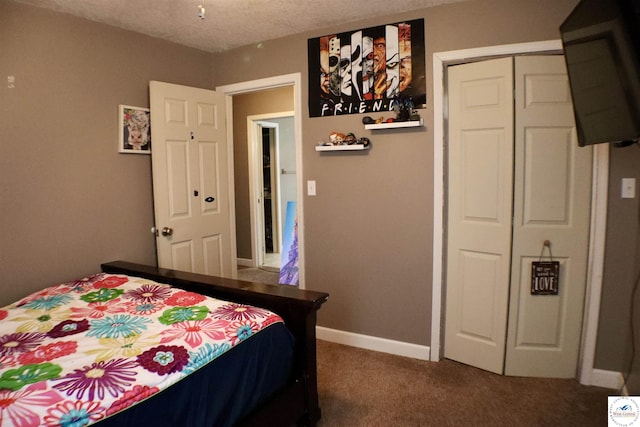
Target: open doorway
<point>269,239</point>
<point>274,185</point>
<point>266,100</point>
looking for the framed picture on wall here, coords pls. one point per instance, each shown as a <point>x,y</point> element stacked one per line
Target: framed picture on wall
<point>135,130</point>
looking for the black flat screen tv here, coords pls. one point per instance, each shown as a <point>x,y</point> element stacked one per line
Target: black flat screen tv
<point>601,40</point>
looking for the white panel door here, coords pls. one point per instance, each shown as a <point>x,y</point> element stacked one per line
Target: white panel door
<point>552,202</point>
<point>191,176</point>
<point>480,187</point>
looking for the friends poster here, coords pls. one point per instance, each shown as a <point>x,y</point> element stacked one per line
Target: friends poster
<point>366,71</point>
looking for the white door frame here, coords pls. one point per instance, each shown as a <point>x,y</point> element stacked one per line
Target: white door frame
<point>254,123</point>
<point>598,204</point>
<point>294,80</point>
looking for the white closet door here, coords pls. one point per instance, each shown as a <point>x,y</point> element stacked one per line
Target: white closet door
<point>551,202</point>
<point>480,187</point>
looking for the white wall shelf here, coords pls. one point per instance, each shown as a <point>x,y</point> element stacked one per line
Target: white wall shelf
<point>395,125</point>
<point>353,147</point>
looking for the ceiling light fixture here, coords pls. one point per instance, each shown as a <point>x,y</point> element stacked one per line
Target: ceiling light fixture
<point>201,11</point>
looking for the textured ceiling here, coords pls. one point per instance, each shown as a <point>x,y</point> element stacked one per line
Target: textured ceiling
<point>229,23</point>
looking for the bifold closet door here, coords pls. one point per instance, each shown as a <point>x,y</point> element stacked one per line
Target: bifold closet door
<point>480,188</point>
<point>552,197</point>
<point>516,178</point>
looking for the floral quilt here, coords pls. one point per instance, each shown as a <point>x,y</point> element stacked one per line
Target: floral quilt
<point>78,352</point>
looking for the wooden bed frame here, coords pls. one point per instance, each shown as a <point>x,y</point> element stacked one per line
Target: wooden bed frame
<point>297,402</point>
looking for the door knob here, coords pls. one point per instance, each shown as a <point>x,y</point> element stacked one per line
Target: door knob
<point>167,231</point>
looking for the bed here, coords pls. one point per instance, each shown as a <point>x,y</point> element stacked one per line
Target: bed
<point>223,352</point>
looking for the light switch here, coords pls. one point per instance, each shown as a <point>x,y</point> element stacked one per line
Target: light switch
<point>311,188</point>
<point>628,188</point>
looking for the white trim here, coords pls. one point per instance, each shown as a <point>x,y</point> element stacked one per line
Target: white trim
<point>608,379</point>
<point>294,80</point>
<point>245,262</point>
<point>600,378</point>
<point>438,203</point>
<point>367,342</point>
<point>599,191</point>
<point>495,51</point>
<point>254,191</point>
<point>598,208</point>
<point>260,84</point>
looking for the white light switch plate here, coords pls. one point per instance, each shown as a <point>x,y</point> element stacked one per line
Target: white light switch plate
<point>628,188</point>
<point>311,188</point>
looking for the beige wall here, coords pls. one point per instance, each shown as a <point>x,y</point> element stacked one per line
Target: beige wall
<point>251,104</point>
<point>69,201</point>
<point>368,232</point>
<point>622,268</point>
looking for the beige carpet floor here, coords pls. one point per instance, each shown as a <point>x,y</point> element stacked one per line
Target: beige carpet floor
<point>364,388</point>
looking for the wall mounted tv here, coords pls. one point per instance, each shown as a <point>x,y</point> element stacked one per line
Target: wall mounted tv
<point>601,40</point>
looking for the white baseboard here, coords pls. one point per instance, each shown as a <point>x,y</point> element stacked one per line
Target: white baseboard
<point>599,377</point>
<point>383,345</point>
<point>608,379</point>
<point>245,262</point>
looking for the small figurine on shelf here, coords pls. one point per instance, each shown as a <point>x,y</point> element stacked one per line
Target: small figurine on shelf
<point>350,139</point>
<point>404,109</point>
<point>364,141</point>
<point>337,138</point>
<point>368,120</point>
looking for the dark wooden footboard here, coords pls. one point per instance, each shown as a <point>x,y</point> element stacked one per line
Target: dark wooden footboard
<point>297,403</point>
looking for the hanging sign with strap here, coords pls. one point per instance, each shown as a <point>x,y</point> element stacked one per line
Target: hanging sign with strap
<point>545,275</point>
